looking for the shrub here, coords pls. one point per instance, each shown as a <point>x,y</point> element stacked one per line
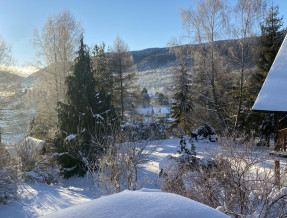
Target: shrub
<point>8,177</point>
<point>234,181</point>
<point>143,131</point>
<point>117,169</point>
<point>36,166</point>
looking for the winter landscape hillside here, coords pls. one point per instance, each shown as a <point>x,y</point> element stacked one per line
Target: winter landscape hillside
<point>169,123</point>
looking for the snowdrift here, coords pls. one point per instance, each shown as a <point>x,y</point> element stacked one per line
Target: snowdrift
<point>143,203</point>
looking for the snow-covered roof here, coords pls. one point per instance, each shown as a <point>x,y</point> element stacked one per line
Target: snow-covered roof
<point>155,109</point>
<point>144,203</point>
<point>272,96</point>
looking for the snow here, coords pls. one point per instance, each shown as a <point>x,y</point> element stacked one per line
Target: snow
<point>41,199</point>
<point>155,109</point>
<point>71,136</point>
<point>34,143</point>
<point>272,96</point>
<point>142,203</point>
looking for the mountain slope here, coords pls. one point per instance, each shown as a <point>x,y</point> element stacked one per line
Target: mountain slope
<point>154,66</point>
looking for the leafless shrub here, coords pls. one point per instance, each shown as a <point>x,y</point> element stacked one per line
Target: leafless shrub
<point>35,166</point>
<point>117,169</point>
<point>8,177</point>
<point>237,182</point>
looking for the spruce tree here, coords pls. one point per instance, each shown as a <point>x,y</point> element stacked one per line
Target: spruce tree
<point>272,35</point>
<point>102,70</point>
<point>182,107</point>
<point>83,118</point>
<point>145,98</point>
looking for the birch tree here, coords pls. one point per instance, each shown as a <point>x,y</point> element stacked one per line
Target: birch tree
<point>247,16</point>
<point>205,25</point>
<point>55,45</point>
<point>9,98</point>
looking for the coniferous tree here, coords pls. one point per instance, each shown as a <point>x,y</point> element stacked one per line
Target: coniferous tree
<point>121,63</point>
<point>162,99</point>
<point>272,35</point>
<point>182,106</point>
<point>145,97</point>
<point>82,118</point>
<point>102,69</point>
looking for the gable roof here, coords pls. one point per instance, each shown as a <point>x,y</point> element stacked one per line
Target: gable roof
<point>273,94</point>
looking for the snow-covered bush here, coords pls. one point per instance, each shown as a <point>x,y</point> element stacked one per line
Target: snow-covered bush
<point>143,131</point>
<point>8,177</point>
<point>44,170</point>
<point>234,181</point>
<point>35,166</point>
<point>204,132</point>
<point>117,169</point>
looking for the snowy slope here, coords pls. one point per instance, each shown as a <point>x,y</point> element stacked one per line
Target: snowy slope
<point>144,203</point>
<point>272,96</point>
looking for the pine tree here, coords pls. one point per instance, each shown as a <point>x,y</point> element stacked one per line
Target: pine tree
<point>86,113</point>
<point>182,107</point>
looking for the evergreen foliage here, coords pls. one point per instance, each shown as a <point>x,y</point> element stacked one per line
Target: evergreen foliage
<point>182,106</point>
<point>146,97</point>
<point>162,99</point>
<point>81,120</point>
<point>102,70</point>
<point>271,38</point>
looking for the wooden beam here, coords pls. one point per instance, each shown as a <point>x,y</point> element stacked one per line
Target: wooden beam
<point>276,148</point>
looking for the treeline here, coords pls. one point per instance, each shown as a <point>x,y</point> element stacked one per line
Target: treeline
<point>221,88</point>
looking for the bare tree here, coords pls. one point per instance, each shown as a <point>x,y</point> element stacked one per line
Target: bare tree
<point>247,17</point>
<point>55,46</point>
<point>10,96</point>
<point>8,172</point>
<point>5,54</point>
<point>122,61</point>
<point>205,25</point>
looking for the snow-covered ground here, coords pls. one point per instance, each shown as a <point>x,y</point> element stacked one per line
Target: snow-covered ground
<point>41,199</point>
<point>143,203</point>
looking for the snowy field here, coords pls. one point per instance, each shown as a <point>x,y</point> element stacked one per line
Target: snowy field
<point>41,199</point>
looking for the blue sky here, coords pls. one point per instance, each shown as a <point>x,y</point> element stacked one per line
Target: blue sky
<point>141,23</point>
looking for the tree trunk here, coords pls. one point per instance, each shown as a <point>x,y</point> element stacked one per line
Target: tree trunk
<point>122,88</point>
<point>240,85</point>
<point>215,97</point>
